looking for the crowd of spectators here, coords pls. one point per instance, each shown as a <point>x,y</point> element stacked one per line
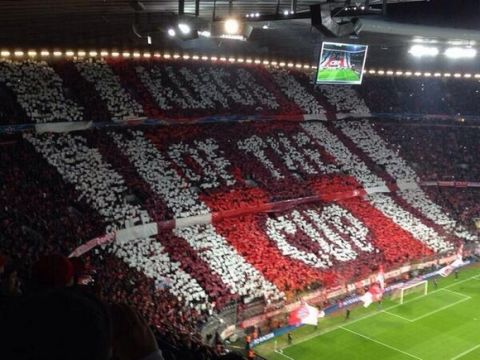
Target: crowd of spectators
<point>185,174</point>
<point>119,102</point>
<point>437,153</point>
<point>463,204</point>
<point>297,90</point>
<point>39,91</point>
<point>42,215</point>
<point>345,99</point>
<point>112,90</point>
<point>59,190</point>
<point>441,153</point>
<point>416,95</point>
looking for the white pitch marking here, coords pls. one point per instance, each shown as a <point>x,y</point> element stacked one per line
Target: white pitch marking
<point>381,343</point>
<point>474,277</point>
<point>465,352</point>
<point>281,353</point>
<point>465,297</point>
<point>456,292</point>
<point>399,316</point>
<point>441,309</point>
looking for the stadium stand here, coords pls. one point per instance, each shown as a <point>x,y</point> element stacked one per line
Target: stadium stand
<point>221,214</point>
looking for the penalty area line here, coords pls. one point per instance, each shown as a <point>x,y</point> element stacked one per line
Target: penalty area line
<point>381,343</point>
<point>465,352</point>
<point>440,309</point>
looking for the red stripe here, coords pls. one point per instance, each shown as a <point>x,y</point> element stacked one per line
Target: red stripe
<point>396,244</point>
<point>177,248</point>
<point>249,239</point>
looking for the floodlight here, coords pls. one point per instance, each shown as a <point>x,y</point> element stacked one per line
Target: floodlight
<point>232,26</point>
<point>460,53</point>
<point>421,50</point>
<point>171,32</point>
<point>205,33</point>
<point>185,29</point>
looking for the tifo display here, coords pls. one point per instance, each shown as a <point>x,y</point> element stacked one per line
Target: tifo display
<point>303,212</point>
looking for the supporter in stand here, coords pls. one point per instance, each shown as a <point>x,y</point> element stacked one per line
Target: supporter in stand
<point>68,324</point>
<point>61,190</point>
<point>52,271</point>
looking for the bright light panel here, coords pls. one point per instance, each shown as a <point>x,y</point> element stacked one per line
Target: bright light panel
<point>460,53</point>
<point>232,26</point>
<point>421,50</point>
<point>184,28</point>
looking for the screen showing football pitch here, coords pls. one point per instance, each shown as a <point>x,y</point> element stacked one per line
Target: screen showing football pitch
<point>341,63</point>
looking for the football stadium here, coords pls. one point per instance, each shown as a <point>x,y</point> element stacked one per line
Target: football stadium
<point>240,180</point>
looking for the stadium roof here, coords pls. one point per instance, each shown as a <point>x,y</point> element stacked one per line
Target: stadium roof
<point>125,24</point>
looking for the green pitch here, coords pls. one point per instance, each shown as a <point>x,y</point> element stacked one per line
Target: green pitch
<point>444,324</point>
<point>341,75</point>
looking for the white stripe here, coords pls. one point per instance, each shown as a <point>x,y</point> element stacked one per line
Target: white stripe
<point>408,222</point>
<point>91,176</point>
<point>222,258</point>
<point>367,139</point>
<point>119,102</point>
<point>353,165</point>
<point>381,343</point>
<point>465,352</point>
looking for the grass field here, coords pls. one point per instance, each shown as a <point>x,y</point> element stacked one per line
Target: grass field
<point>444,324</point>
<point>341,75</point>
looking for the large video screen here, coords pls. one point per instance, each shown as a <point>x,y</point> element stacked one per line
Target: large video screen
<point>341,63</point>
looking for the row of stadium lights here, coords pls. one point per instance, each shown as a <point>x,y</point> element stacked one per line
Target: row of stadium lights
<point>426,74</point>
<point>147,55</point>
